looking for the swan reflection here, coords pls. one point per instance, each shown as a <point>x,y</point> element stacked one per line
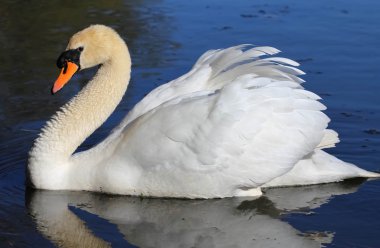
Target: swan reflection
<point>71,219</point>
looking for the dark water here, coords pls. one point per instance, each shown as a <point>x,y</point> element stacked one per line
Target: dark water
<point>337,43</point>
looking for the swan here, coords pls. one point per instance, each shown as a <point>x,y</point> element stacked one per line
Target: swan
<point>238,121</point>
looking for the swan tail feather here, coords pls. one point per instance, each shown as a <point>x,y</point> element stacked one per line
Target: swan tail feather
<point>320,167</point>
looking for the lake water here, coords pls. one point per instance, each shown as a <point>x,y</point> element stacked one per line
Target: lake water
<point>336,42</point>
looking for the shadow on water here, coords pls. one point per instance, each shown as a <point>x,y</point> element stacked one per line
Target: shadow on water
<point>70,219</point>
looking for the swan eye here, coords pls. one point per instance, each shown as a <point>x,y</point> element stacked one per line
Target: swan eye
<point>80,49</point>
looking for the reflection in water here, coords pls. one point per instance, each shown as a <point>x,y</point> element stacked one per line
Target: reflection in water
<point>229,222</point>
<point>310,197</point>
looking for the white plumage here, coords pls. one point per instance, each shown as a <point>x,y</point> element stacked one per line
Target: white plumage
<point>238,121</point>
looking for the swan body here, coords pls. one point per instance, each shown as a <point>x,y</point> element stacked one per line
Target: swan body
<point>237,121</point>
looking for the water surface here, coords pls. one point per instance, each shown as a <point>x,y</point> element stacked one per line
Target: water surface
<point>336,43</point>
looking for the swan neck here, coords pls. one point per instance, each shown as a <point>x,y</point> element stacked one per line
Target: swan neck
<point>84,113</point>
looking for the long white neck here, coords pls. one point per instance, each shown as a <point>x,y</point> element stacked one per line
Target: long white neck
<point>82,115</point>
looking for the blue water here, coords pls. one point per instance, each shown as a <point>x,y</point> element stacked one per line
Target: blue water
<point>336,43</point>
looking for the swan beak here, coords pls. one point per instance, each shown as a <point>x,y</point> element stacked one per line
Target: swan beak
<point>66,73</point>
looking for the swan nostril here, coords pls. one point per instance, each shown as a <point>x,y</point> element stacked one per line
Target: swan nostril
<point>65,68</point>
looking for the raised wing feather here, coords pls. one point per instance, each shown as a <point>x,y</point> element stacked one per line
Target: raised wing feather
<point>216,68</point>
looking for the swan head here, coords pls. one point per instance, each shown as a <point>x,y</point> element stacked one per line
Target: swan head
<point>89,47</point>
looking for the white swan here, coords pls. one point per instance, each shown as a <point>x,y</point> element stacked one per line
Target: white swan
<point>236,122</point>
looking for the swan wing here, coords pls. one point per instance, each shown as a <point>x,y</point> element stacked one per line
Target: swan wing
<point>214,69</point>
<point>241,136</point>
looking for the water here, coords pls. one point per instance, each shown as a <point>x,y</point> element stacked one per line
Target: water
<point>335,41</point>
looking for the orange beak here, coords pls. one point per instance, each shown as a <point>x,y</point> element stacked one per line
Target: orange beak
<point>66,73</point>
